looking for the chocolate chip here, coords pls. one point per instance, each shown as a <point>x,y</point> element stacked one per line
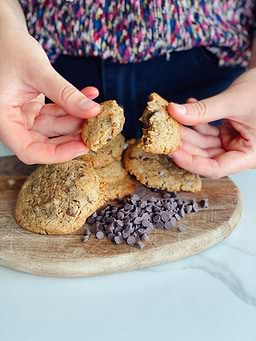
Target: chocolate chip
<point>156,218</point>
<point>126,234</point>
<point>204,203</point>
<point>146,223</point>
<point>182,212</point>
<point>85,238</point>
<point>182,228</point>
<point>195,207</point>
<point>159,225</point>
<point>168,225</point>
<point>131,240</point>
<point>139,245</point>
<point>87,231</point>
<point>70,212</point>
<point>94,215</point>
<point>100,235</point>
<point>165,216</point>
<point>128,207</point>
<point>149,229</point>
<point>120,215</point>
<point>177,216</point>
<point>118,229</point>
<point>144,237</point>
<point>119,223</point>
<point>90,220</point>
<point>111,236</point>
<point>118,239</point>
<point>189,208</point>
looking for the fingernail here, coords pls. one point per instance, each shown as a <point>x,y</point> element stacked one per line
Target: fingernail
<point>180,109</point>
<point>88,104</point>
<point>81,153</point>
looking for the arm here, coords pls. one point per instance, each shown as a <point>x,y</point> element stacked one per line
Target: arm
<point>28,126</point>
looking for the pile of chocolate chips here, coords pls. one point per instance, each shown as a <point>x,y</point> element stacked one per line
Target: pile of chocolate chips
<point>137,216</point>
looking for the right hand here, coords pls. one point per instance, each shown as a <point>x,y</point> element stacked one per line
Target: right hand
<point>26,123</point>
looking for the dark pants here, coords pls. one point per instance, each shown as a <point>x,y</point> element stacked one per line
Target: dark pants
<point>193,73</point>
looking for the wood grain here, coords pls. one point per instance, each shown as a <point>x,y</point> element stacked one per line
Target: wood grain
<point>67,256</point>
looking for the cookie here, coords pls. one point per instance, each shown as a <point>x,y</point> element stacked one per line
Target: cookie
<point>117,180</point>
<point>159,171</point>
<point>98,131</point>
<point>112,151</point>
<point>57,199</point>
<point>161,133</point>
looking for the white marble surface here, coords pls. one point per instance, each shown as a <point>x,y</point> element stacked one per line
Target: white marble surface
<point>211,296</point>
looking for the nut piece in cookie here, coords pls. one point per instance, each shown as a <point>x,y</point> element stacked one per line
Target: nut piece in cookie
<point>159,171</point>
<point>117,180</point>
<point>161,133</point>
<point>98,131</point>
<point>109,153</point>
<point>57,199</point>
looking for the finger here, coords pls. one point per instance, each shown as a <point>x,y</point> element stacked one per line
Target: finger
<point>55,110</point>
<point>54,86</point>
<point>52,109</point>
<point>49,153</point>
<point>191,100</point>
<point>207,129</point>
<point>213,152</point>
<point>208,110</point>
<point>222,165</point>
<point>33,147</point>
<point>55,126</point>
<point>194,150</point>
<point>66,138</point>
<point>91,92</point>
<point>32,109</point>
<point>199,140</point>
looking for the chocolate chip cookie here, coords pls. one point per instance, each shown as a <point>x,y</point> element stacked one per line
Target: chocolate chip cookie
<point>57,199</point>
<point>117,180</point>
<point>161,133</point>
<point>98,131</point>
<point>109,153</point>
<point>158,171</point>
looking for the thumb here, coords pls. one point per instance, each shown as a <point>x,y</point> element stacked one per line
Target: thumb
<point>207,110</point>
<point>60,91</point>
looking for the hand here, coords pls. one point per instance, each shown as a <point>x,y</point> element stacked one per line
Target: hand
<point>27,124</point>
<point>234,147</point>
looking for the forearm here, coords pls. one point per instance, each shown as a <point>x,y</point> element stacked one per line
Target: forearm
<point>11,15</point>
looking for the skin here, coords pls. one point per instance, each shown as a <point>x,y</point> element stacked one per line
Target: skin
<point>37,132</point>
<point>40,133</point>
<point>217,152</point>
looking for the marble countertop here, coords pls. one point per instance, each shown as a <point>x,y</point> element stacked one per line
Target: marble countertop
<point>210,296</point>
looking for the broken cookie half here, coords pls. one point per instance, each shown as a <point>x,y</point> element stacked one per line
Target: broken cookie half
<point>98,131</point>
<point>161,132</point>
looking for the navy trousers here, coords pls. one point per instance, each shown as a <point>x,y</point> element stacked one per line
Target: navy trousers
<point>192,73</point>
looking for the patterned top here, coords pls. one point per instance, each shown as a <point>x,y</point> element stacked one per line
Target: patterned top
<point>135,30</point>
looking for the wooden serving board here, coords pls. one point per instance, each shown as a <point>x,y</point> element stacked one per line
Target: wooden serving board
<point>67,256</point>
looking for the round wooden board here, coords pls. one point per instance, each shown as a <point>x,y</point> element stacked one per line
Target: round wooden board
<point>67,256</point>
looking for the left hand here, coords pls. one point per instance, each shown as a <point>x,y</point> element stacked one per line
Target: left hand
<point>217,152</point>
